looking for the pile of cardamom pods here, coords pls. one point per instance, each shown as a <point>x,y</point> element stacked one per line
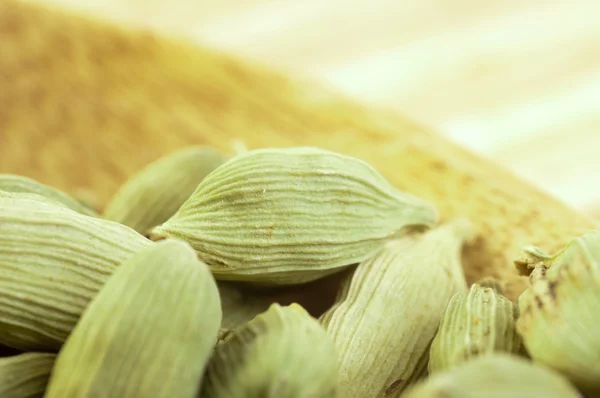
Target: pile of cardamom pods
<point>160,294</point>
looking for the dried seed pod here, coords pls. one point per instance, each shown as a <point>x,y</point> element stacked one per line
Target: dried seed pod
<point>154,194</point>
<point>222,334</point>
<point>148,333</point>
<point>387,313</point>
<point>238,306</point>
<point>419,373</point>
<point>561,308</point>
<point>31,196</point>
<point>478,322</point>
<point>52,262</point>
<point>19,184</point>
<point>25,375</point>
<point>285,216</point>
<point>497,375</point>
<point>283,352</point>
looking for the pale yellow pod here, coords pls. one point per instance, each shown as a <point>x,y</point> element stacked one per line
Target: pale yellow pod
<point>498,375</point>
<point>31,196</point>
<point>25,375</point>
<point>20,184</point>
<point>282,353</point>
<point>156,192</point>
<point>560,311</point>
<point>53,261</point>
<point>148,333</point>
<point>388,312</point>
<point>475,323</point>
<point>293,215</point>
<point>239,306</point>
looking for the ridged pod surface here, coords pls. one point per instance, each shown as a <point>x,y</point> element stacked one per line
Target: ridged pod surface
<point>498,375</point>
<point>283,352</point>
<point>478,322</point>
<point>156,192</point>
<point>285,216</point>
<point>148,333</point>
<point>15,183</point>
<point>31,196</point>
<point>53,261</point>
<point>25,375</point>
<point>560,311</point>
<point>388,312</point>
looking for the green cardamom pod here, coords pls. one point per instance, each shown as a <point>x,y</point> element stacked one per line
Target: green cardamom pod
<point>478,322</point>
<point>289,216</point>
<point>53,260</point>
<point>388,312</point>
<point>283,352</point>
<point>148,333</point>
<point>19,184</point>
<point>239,306</point>
<point>561,308</point>
<point>25,375</point>
<point>419,373</point>
<point>223,333</point>
<point>154,194</point>
<point>498,375</point>
<point>31,196</point>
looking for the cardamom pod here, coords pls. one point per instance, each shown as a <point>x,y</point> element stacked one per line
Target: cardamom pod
<point>420,373</point>
<point>222,333</point>
<point>478,322</point>
<point>289,216</point>
<point>238,306</point>
<point>154,194</point>
<point>561,308</point>
<point>148,333</point>
<point>31,196</point>
<point>25,375</point>
<point>497,375</point>
<point>19,184</point>
<point>388,312</point>
<point>283,352</point>
<point>53,260</point>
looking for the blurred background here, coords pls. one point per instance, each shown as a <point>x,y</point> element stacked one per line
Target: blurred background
<point>517,81</point>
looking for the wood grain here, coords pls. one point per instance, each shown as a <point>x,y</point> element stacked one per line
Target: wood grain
<point>84,104</point>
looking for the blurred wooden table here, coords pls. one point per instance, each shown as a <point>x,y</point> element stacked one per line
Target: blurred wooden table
<point>518,81</point>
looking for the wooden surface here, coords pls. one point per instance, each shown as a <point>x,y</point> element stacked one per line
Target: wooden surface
<point>517,81</point>
<point>84,104</point>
